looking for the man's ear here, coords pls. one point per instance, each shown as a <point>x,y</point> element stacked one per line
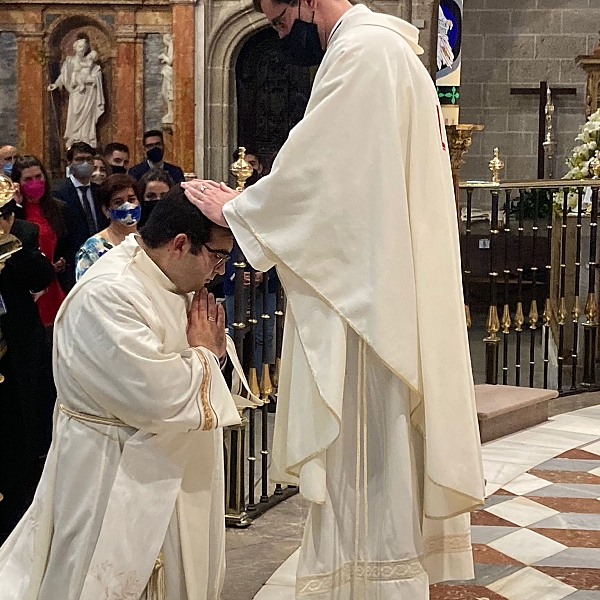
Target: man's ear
<point>179,243</point>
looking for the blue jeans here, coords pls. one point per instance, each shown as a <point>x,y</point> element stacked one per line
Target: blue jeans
<point>270,325</point>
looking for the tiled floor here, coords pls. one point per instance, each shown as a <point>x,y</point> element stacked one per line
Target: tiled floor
<point>538,536</point>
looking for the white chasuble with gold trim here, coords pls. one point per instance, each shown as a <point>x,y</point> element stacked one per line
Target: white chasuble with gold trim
<point>376,414</point>
<point>135,469</point>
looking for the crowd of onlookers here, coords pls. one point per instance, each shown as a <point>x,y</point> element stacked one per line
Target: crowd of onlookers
<point>65,227</point>
<point>101,200</point>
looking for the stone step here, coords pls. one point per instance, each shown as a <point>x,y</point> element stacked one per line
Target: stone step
<point>506,409</point>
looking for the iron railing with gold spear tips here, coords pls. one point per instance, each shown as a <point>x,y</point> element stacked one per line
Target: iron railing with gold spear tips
<point>251,311</point>
<point>520,264</point>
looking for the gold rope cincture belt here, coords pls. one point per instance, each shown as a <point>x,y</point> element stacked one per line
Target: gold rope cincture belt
<point>156,589</point>
<point>85,419</point>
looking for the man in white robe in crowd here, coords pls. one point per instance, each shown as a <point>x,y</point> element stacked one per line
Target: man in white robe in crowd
<point>376,415</point>
<point>131,502</point>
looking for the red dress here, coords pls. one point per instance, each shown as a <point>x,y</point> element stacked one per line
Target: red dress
<point>51,299</point>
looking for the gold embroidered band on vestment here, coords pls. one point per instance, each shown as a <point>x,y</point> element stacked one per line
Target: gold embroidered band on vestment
<point>366,570</point>
<point>391,570</point>
<point>447,544</point>
<point>207,411</point>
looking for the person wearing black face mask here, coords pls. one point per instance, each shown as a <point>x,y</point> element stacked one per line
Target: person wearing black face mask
<point>150,189</point>
<point>154,147</point>
<point>302,45</point>
<point>117,156</point>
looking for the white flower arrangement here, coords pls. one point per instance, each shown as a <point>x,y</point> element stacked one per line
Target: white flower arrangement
<point>579,163</point>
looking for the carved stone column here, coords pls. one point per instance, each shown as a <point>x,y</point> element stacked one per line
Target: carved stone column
<point>125,108</point>
<point>31,86</point>
<point>183,83</point>
<point>591,65</point>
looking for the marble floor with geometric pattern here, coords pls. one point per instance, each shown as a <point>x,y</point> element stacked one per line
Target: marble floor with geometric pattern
<point>538,536</point>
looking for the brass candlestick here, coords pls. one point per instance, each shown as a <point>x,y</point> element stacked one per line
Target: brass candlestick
<point>496,165</point>
<point>550,144</point>
<point>241,169</point>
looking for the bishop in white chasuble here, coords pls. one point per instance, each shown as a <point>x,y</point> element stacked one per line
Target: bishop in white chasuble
<point>376,415</point>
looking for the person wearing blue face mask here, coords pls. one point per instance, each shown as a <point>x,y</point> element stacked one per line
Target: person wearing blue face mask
<point>120,205</point>
<point>7,158</point>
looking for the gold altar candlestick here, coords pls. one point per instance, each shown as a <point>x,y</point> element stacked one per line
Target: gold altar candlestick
<point>241,169</point>
<point>496,165</point>
<point>550,144</point>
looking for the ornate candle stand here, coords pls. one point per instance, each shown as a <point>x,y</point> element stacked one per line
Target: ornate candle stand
<point>460,138</point>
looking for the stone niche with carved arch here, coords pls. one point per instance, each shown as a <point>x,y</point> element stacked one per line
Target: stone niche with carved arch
<point>61,32</point>
<point>229,25</point>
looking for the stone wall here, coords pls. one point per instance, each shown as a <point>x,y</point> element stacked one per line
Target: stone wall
<point>8,89</point>
<point>518,43</point>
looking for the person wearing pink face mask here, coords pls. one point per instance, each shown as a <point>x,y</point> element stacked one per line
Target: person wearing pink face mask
<point>48,214</point>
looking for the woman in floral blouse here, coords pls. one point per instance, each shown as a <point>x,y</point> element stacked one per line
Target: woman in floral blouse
<point>120,204</point>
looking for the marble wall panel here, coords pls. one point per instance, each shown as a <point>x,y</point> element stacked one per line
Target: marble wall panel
<point>154,108</point>
<point>8,88</point>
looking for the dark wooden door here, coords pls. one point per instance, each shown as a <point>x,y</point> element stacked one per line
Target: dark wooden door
<point>271,95</point>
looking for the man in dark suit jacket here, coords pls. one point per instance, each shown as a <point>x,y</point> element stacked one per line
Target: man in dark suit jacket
<point>154,145</point>
<point>27,393</point>
<point>83,215</point>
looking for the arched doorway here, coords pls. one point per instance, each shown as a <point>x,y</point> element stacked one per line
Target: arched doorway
<point>271,95</point>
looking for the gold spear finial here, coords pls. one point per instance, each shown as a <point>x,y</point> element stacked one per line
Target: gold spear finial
<point>533,315</point>
<point>519,317</point>
<point>265,384</point>
<point>547,314</point>
<point>253,381</point>
<point>591,310</point>
<point>241,169</point>
<point>562,311</point>
<point>576,311</point>
<point>506,320</point>
<point>496,165</point>
<point>492,324</point>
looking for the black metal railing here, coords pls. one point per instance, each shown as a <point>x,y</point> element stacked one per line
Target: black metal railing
<point>531,247</point>
<point>253,310</point>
